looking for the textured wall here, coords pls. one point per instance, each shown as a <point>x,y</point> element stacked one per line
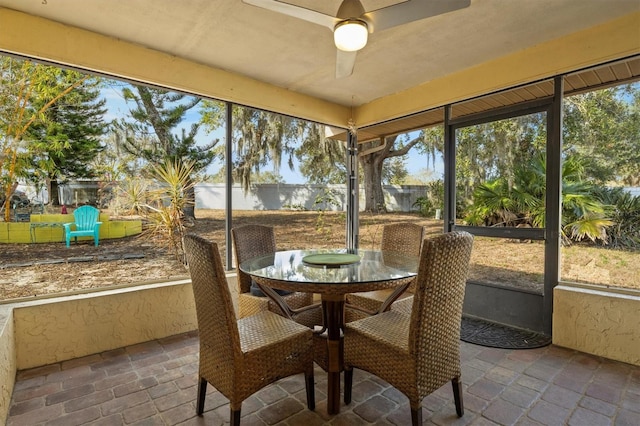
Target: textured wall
<point>7,361</point>
<point>54,330</point>
<point>46,331</point>
<point>597,322</point>
<point>66,328</point>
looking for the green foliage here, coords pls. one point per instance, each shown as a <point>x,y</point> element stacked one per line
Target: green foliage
<point>394,171</point>
<point>166,219</point>
<point>27,91</point>
<point>424,205</point>
<point>156,116</point>
<point>601,130</point>
<point>433,200</point>
<point>260,137</point>
<point>75,124</point>
<point>150,135</point>
<point>497,149</point>
<point>521,201</point>
<point>624,211</point>
<point>322,160</point>
<point>267,177</point>
<point>323,202</point>
<point>132,196</point>
<point>325,199</point>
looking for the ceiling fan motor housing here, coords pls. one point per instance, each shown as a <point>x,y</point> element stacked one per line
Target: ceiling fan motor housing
<point>350,9</point>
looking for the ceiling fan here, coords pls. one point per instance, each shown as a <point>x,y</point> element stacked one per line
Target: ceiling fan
<point>352,24</point>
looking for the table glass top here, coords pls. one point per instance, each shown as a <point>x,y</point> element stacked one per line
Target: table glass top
<point>372,266</point>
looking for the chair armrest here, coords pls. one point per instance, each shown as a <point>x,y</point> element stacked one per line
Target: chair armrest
<point>67,226</point>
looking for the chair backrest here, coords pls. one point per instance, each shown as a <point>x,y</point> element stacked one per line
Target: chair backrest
<point>85,217</point>
<point>217,325</point>
<point>251,241</point>
<point>402,238</point>
<point>436,315</point>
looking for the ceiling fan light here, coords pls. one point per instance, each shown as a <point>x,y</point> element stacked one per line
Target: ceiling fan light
<point>350,35</point>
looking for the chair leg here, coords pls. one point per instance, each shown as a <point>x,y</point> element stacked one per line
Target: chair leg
<point>457,396</point>
<point>416,416</point>
<point>202,393</point>
<point>348,384</point>
<point>311,391</point>
<point>235,418</point>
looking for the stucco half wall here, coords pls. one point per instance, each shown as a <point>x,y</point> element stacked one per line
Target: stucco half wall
<point>598,321</point>
<point>40,332</point>
<point>57,329</point>
<point>7,361</point>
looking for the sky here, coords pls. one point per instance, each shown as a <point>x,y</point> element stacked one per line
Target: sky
<point>415,162</point>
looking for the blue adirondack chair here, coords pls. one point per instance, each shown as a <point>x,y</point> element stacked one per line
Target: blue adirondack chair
<point>86,224</point>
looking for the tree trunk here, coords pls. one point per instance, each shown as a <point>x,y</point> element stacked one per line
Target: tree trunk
<point>54,195</point>
<point>372,171</point>
<point>372,156</point>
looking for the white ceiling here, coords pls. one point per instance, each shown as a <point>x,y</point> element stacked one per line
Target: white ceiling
<point>300,56</point>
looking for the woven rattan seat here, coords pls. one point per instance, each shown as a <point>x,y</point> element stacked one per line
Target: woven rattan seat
<point>251,241</point>
<point>240,357</point>
<point>400,237</point>
<point>420,352</point>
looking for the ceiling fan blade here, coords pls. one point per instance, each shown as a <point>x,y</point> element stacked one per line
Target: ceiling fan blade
<point>409,11</point>
<point>296,11</point>
<point>345,61</point>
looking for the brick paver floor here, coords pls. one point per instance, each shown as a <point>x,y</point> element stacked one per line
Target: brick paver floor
<point>154,383</point>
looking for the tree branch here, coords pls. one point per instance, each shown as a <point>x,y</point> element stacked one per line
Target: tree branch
<point>404,149</point>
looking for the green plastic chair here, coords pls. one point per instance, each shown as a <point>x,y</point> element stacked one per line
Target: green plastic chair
<point>86,225</point>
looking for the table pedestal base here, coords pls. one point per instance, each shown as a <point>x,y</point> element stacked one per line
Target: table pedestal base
<point>333,311</point>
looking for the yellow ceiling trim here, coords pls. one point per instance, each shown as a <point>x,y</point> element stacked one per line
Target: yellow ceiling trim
<point>613,40</point>
<point>47,40</point>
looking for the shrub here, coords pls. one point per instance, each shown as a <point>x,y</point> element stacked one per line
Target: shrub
<point>624,210</point>
<point>433,200</point>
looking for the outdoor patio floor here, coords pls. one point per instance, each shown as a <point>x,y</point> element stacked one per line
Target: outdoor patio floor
<point>154,383</point>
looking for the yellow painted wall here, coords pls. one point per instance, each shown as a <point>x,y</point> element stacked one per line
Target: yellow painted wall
<point>45,331</point>
<point>53,330</point>
<point>7,361</point>
<point>597,322</point>
<point>22,232</point>
<point>57,329</point>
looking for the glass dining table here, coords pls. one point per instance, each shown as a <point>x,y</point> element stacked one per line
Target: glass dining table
<point>332,274</point>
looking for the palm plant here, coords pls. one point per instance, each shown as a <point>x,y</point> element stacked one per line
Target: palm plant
<point>520,200</point>
<point>166,217</point>
<point>624,210</point>
<point>132,195</point>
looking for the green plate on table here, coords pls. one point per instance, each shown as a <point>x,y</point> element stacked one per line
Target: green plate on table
<point>332,260</point>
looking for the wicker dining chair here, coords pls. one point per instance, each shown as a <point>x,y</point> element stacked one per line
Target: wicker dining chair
<point>241,356</point>
<point>251,241</point>
<point>405,238</point>
<point>418,353</point>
